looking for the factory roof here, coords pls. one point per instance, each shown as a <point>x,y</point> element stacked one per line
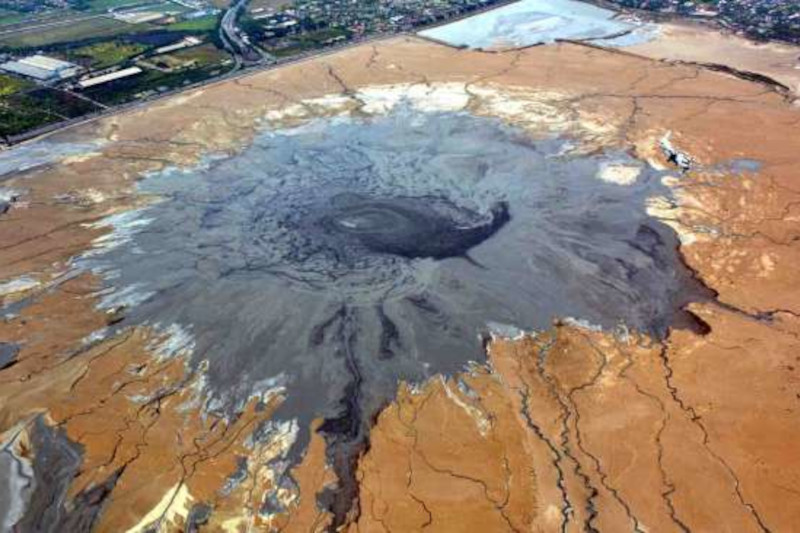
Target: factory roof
<point>41,67</point>
<point>97,80</point>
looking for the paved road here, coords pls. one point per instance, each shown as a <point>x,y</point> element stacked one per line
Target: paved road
<point>235,40</point>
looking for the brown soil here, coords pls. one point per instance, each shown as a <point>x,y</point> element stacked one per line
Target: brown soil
<point>698,43</point>
<point>575,429</point>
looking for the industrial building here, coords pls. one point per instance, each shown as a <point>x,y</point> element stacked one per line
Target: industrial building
<point>111,76</point>
<point>41,68</point>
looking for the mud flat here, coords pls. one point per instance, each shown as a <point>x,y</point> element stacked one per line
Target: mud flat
<point>700,44</point>
<point>196,305</point>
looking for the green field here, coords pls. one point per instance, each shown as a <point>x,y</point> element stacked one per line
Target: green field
<point>106,53</point>
<point>305,42</point>
<point>33,109</point>
<point>78,31</point>
<point>105,5</point>
<point>7,16</point>
<point>15,119</point>
<point>82,10</point>
<point>203,55</point>
<point>10,85</point>
<point>149,82</point>
<point>202,24</point>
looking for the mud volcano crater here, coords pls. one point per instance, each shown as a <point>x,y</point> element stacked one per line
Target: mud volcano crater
<point>425,227</point>
<point>341,256</point>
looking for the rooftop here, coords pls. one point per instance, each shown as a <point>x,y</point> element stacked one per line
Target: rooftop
<point>41,67</point>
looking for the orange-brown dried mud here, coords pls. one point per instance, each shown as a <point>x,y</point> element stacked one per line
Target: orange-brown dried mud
<point>697,43</point>
<point>566,430</point>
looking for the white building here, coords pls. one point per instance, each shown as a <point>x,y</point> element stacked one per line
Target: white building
<point>111,76</point>
<point>41,68</point>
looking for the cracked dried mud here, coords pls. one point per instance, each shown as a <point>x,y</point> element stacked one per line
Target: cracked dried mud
<point>405,286</point>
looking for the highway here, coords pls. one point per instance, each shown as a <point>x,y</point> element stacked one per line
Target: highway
<point>235,41</point>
